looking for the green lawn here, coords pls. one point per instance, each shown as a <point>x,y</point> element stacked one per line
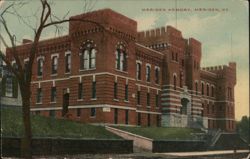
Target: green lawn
<point>160,133</point>
<point>12,125</point>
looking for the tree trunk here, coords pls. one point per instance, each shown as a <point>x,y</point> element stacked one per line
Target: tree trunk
<point>26,151</point>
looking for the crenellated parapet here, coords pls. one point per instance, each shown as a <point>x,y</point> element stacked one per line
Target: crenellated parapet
<point>97,21</point>
<point>162,38</point>
<point>226,72</point>
<point>231,65</point>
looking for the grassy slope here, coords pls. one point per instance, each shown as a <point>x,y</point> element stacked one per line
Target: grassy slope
<point>12,125</point>
<point>162,133</point>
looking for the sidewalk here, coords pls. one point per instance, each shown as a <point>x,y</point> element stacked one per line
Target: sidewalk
<point>205,153</point>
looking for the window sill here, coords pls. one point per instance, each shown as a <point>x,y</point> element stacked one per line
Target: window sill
<point>89,69</point>
<point>92,116</point>
<point>93,99</point>
<point>148,82</point>
<point>175,61</point>
<point>40,76</point>
<point>39,103</point>
<point>126,101</point>
<point>139,105</point>
<point>138,80</point>
<point>53,75</point>
<point>121,71</point>
<point>117,100</point>
<point>148,106</point>
<point>79,99</point>
<point>67,73</point>
<point>52,102</point>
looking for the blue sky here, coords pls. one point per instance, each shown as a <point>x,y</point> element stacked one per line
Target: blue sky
<point>214,29</point>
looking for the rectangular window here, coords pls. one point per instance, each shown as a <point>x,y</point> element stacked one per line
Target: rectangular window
<point>148,99</point>
<point>40,67</point>
<point>117,61</point>
<point>212,91</point>
<point>149,120</point>
<point>39,95</point>
<point>207,90</point>
<point>94,89</point>
<point>53,94</point>
<point>54,64</point>
<point>157,75</point>
<point>92,58</point>
<point>92,112</point>
<point>80,91</point>
<point>202,88</point>
<point>115,90</point>
<point>158,120</point>
<point>116,116</point>
<point>126,92</point>
<point>208,111</point>
<point>67,63</point>
<point>78,112</point>
<point>138,71</point>
<point>126,117</point>
<point>157,100</point>
<point>138,98</point>
<point>86,59</point>
<point>138,119</point>
<point>148,73</point>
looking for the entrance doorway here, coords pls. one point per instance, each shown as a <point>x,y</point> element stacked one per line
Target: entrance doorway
<point>184,103</point>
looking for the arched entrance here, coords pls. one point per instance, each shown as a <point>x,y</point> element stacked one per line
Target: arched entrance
<point>184,105</point>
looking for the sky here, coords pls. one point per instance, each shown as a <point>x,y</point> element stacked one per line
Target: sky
<point>222,28</point>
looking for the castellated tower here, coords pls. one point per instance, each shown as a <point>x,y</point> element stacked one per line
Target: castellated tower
<point>224,104</point>
<point>181,71</point>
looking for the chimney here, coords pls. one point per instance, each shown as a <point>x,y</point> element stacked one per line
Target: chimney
<point>25,41</point>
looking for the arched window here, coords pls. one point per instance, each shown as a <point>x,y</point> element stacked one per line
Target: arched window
<point>88,56</point>
<point>157,75</point>
<point>148,73</point>
<point>202,88</point>
<point>40,67</point>
<point>121,58</point>
<point>207,90</point>
<point>174,82</point>
<point>212,91</point>
<point>138,71</point>
<point>196,88</point>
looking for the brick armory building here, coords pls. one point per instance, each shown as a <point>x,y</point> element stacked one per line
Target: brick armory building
<point>112,74</point>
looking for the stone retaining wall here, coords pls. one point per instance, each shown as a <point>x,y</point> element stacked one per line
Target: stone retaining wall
<point>178,146</point>
<point>58,146</point>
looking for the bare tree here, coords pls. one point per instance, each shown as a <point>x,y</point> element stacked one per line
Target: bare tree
<point>23,74</point>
